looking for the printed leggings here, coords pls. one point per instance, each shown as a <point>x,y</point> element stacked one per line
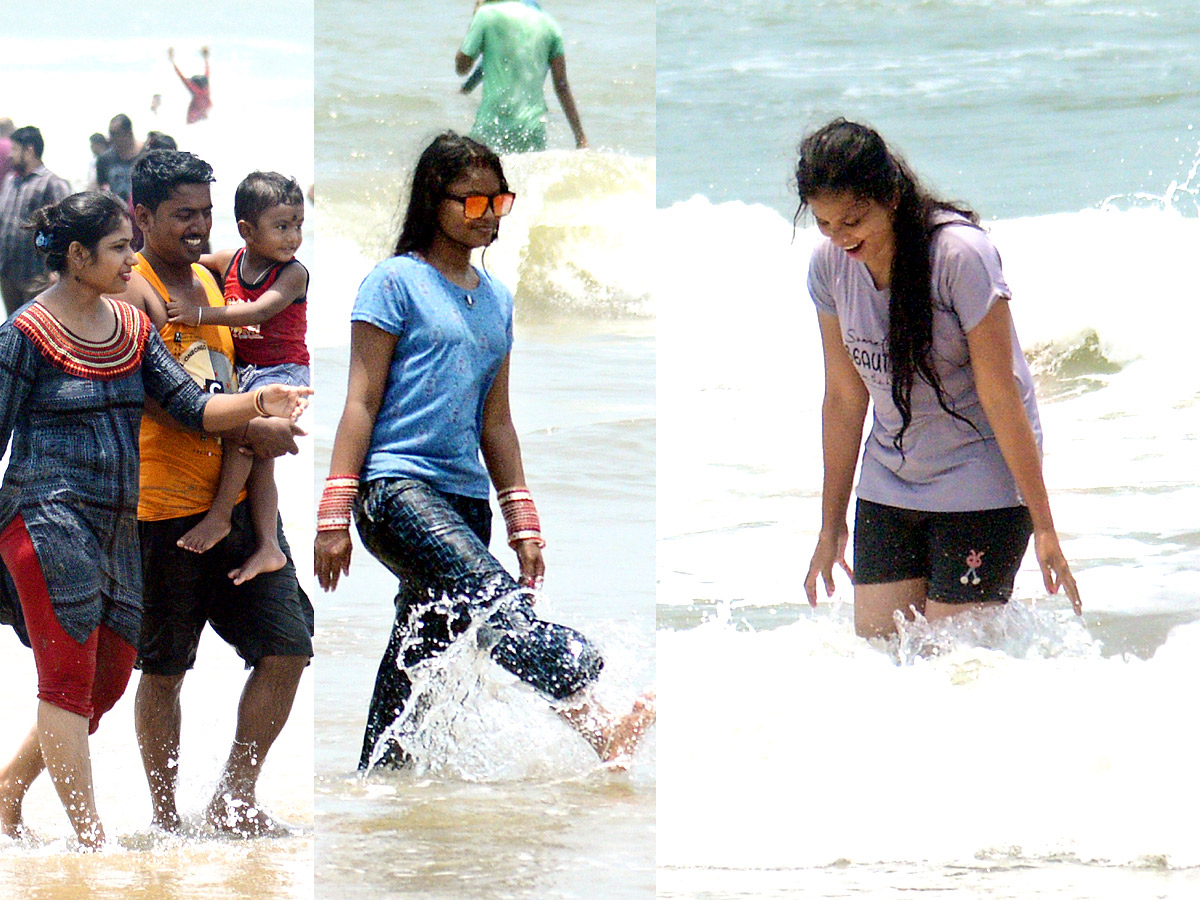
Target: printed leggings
<point>436,544</point>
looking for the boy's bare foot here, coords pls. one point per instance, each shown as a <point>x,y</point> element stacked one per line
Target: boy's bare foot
<point>624,734</point>
<point>205,535</point>
<point>243,817</point>
<point>264,559</point>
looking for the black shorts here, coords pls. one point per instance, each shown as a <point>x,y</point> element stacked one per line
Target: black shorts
<point>269,615</point>
<point>965,556</point>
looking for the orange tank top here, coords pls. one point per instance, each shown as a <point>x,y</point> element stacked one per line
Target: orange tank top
<point>181,468</point>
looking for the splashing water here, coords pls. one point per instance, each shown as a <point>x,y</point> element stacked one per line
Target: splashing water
<point>1018,630</point>
<point>469,718</point>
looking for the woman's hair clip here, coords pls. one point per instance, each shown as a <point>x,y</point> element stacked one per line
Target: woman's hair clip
<point>42,240</point>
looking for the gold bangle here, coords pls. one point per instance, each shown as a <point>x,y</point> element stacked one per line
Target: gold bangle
<point>258,404</point>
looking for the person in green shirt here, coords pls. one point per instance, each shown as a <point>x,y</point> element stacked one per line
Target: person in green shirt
<point>519,44</point>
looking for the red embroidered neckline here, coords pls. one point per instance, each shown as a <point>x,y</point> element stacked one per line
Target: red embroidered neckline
<point>112,358</point>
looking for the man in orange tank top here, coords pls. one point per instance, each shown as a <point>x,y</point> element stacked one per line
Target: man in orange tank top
<point>268,620</point>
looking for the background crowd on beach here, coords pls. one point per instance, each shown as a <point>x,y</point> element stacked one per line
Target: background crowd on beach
<point>113,153</point>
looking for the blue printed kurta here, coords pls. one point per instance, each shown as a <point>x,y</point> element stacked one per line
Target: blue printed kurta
<point>72,409</point>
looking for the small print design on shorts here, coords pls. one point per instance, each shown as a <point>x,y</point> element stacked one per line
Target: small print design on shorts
<point>974,562</point>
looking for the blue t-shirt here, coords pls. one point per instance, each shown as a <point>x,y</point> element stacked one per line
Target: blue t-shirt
<point>450,344</point>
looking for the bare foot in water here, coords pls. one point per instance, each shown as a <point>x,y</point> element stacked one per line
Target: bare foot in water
<point>167,822</point>
<point>205,534</point>
<point>242,817</point>
<point>264,559</point>
<point>624,734</point>
<point>11,825</point>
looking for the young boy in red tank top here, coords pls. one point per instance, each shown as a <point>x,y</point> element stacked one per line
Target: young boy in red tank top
<point>265,290</point>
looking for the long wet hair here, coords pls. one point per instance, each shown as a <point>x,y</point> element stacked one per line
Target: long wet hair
<point>87,217</point>
<point>446,158</point>
<point>845,157</point>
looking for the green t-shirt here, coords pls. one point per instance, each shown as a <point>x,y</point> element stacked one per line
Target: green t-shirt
<point>517,43</point>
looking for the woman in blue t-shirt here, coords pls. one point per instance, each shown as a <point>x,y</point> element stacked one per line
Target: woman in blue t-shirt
<point>427,396</point>
<point>914,319</point>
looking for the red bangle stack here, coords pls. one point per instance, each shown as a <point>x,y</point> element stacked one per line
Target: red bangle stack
<point>337,502</point>
<point>520,516</point>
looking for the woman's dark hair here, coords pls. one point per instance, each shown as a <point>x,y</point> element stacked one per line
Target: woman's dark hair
<point>86,217</point>
<point>441,163</point>
<point>847,158</point>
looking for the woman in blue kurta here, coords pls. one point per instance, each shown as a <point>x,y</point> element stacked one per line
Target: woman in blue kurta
<point>75,370</point>
<point>427,397</point>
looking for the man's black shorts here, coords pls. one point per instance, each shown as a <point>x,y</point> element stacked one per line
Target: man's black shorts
<point>965,556</point>
<point>269,615</point>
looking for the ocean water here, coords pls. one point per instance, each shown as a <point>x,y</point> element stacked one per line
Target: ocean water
<point>506,801</point>
<point>69,77</point>
<point>1023,754</point>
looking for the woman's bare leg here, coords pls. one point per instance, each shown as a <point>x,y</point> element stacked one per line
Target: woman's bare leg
<point>936,609</point>
<point>64,739</point>
<point>15,779</point>
<point>875,604</point>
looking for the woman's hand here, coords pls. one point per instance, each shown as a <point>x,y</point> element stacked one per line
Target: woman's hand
<point>533,566</point>
<point>831,549</point>
<point>286,401</point>
<point>1056,572</point>
<point>331,557</point>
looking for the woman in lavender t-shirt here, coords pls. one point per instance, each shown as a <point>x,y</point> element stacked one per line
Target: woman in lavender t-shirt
<point>914,318</point>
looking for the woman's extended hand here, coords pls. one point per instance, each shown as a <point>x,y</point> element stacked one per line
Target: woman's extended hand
<point>533,566</point>
<point>1055,571</point>
<point>285,400</point>
<point>331,557</point>
<point>831,549</point>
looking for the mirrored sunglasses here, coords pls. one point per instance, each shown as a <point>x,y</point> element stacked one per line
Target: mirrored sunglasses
<point>475,205</point>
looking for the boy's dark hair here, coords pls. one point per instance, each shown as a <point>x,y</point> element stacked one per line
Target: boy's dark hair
<point>447,157</point>
<point>29,136</point>
<point>85,217</point>
<point>259,191</point>
<point>157,172</point>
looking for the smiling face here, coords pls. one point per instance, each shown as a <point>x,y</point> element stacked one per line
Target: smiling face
<point>862,228</point>
<point>453,223</point>
<point>178,230</point>
<point>106,267</point>
<point>278,233</point>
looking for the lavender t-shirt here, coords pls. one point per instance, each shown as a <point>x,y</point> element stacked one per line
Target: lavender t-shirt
<point>947,466</point>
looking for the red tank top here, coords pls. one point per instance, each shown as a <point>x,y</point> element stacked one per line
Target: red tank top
<point>278,340</point>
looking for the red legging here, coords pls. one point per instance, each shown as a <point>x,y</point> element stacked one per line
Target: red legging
<point>86,679</point>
